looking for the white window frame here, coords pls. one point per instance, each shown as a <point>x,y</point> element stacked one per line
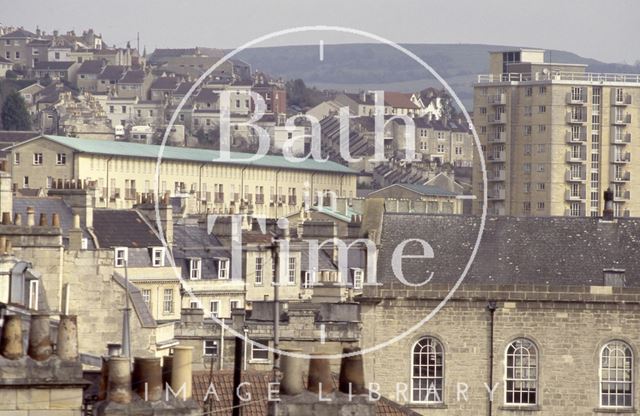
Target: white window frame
<point>146,297</point>
<point>16,158</point>
<point>223,269</point>
<point>167,302</point>
<point>307,279</point>
<point>157,256</point>
<point>61,159</point>
<point>195,268</point>
<point>34,286</point>
<point>120,261</point>
<point>532,348</point>
<point>257,348</point>
<point>358,278</point>
<point>215,345</point>
<point>291,270</point>
<point>214,311</point>
<point>38,159</point>
<point>259,271</point>
<point>616,371</point>
<point>433,347</point>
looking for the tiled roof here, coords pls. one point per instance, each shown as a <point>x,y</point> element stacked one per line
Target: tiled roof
<point>191,154</point>
<point>133,76</point>
<point>123,228</point>
<point>258,386</point>
<point>52,65</point>
<point>562,251</point>
<point>90,67</point>
<point>399,100</point>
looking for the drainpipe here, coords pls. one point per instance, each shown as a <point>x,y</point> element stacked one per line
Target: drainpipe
<point>221,346</point>
<point>200,187</point>
<point>107,184</point>
<point>491,306</point>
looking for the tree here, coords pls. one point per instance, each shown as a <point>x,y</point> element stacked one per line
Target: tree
<point>14,113</point>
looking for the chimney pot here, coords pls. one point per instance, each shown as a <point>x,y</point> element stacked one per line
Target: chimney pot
<point>352,372</point>
<point>292,373</point>
<point>55,220</point>
<point>43,220</point>
<point>320,380</point>
<point>6,218</point>
<point>9,247</point>
<point>119,380</point>
<point>181,369</point>
<point>17,219</point>
<point>147,378</point>
<point>31,216</point>
<point>167,365</point>
<point>67,344</point>
<point>11,341</point>
<point>40,347</point>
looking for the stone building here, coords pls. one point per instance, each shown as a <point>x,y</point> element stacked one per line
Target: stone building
<point>121,172</point>
<point>546,315</point>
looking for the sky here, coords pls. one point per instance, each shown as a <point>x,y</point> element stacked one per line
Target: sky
<point>606,30</point>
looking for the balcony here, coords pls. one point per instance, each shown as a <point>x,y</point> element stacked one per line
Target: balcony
<point>572,137</point>
<point>498,99</point>
<point>497,157</point>
<point>497,118</point>
<point>621,100</point>
<point>622,196</point>
<point>497,137</point>
<point>624,138</point>
<point>620,157</point>
<point>259,199</point>
<point>576,118</point>
<point>581,157</point>
<point>496,195</point>
<point>130,193</point>
<point>579,99</point>
<point>496,176</point>
<point>573,176</point>
<point>621,177</point>
<point>570,196</point>
<point>621,119</point>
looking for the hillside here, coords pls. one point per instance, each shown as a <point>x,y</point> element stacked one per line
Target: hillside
<point>368,66</point>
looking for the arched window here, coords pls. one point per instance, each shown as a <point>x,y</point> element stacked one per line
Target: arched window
<point>616,375</point>
<point>427,377</point>
<point>521,378</point>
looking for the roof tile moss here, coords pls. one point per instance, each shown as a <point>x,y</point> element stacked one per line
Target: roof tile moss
<point>193,154</point>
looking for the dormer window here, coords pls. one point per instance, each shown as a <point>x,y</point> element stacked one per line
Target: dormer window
<point>223,268</point>
<point>121,256</point>
<point>195,268</point>
<point>358,278</point>
<point>157,256</point>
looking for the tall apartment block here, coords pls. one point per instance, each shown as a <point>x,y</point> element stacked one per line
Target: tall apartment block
<point>555,137</point>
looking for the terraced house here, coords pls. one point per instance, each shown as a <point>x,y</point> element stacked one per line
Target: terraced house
<point>120,172</point>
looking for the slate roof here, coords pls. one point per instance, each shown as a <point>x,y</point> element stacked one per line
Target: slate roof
<point>192,240</point>
<point>49,206</point>
<point>3,60</point>
<point>90,67</point>
<point>18,34</point>
<point>112,72</point>
<point>191,154</point>
<point>426,190</point>
<point>123,228</point>
<point>52,65</point>
<point>139,305</point>
<point>165,83</point>
<point>561,251</point>
<point>133,76</point>
<point>183,88</point>
<point>206,95</point>
<point>258,386</point>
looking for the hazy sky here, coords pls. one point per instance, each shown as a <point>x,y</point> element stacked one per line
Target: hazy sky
<point>603,29</point>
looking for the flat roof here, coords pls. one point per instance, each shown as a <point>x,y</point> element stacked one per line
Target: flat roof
<point>191,154</point>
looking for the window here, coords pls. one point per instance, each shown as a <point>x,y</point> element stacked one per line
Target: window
<point>427,377</point>
<point>25,182</point>
<point>521,373</point>
<point>194,305</point>
<point>527,130</point>
<point>37,158</point>
<point>542,109</point>
<point>146,297</point>
<point>210,347</point>
<point>167,304</point>
<point>259,352</point>
<point>616,375</point>
<point>542,90</point>
<point>259,270</point>
<point>358,278</point>
<point>61,159</point>
<point>16,158</point>
<point>195,268</point>
<point>120,256</point>
<point>540,186</point>
<point>540,205</point>
<point>157,256</point>
<point>223,269</point>
<point>292,270</point>
<point>214,307</point>
<point>307,280</point>
<point>440,148</point>
<point>529,91</point>
<point>33,294</point>
<point>527,149</point>
<point>541,148</point>
<point>234,304</point>
<point>527,111</point>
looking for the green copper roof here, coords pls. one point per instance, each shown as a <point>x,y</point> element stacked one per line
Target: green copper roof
<point>106,147</point>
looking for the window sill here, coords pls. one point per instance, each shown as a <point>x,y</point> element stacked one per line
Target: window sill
<point>525,408</point>
<point>607,410</point>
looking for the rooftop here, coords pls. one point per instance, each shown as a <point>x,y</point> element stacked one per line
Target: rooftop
<point>191,154</point>
<point>560,76</point>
